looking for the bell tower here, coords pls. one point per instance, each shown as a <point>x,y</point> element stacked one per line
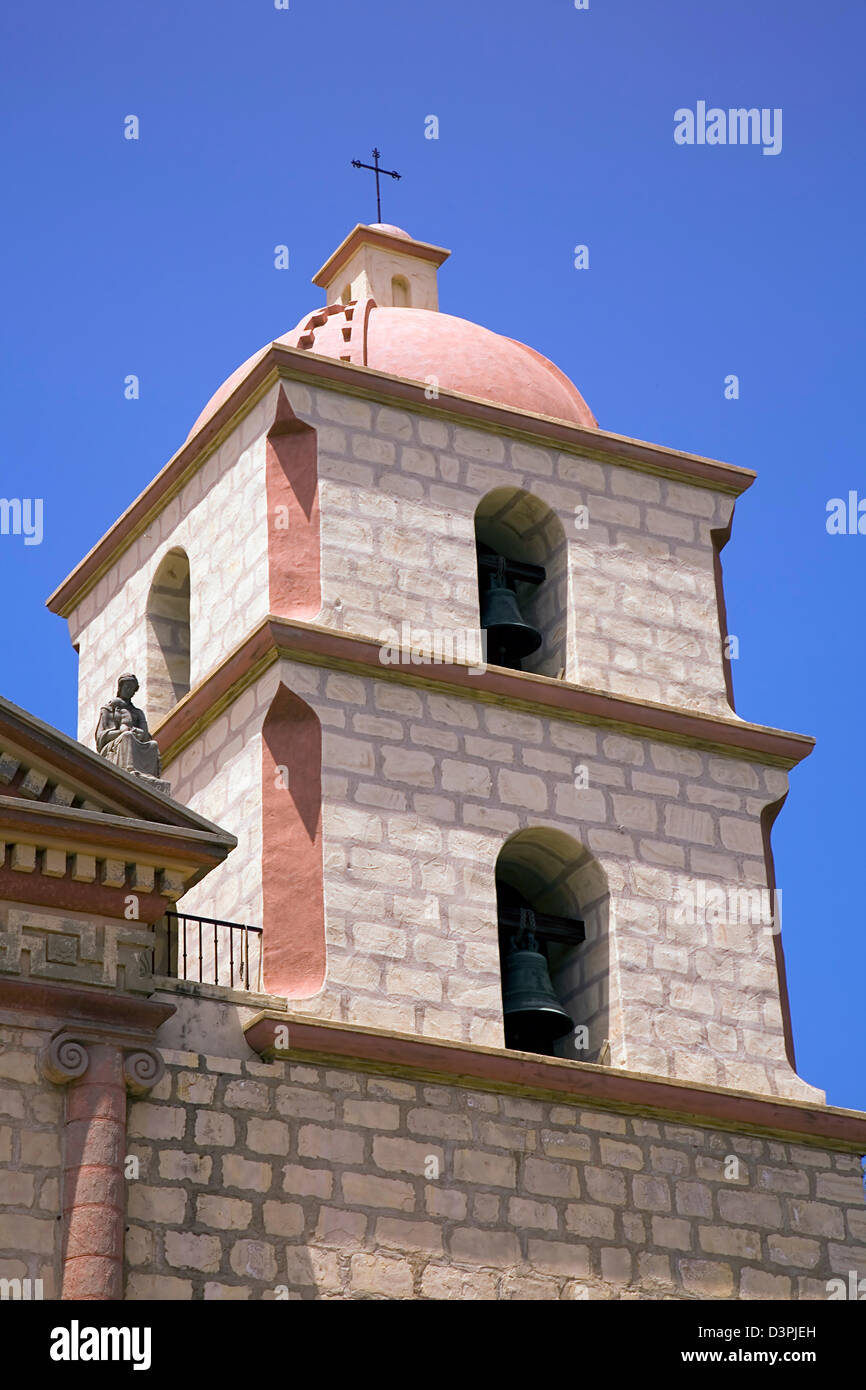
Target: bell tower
<point>488,998</point>
<point>562,847</point>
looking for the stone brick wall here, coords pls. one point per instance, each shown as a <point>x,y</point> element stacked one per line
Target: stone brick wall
<point>292,1180</point>
<point>30,1116</point>
<point>398,493</point>
<point>266,1180</point>
<point>421,791</point>
<point>219,519</point>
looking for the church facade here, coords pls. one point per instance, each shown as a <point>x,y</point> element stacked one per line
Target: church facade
<point>369,805</point>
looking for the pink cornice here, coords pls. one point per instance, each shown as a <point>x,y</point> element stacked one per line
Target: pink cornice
<point>279,637</point>
<point>84,1004</point>
<point>476,1067</point>
<point>112,836</point>
<point>68,895</point>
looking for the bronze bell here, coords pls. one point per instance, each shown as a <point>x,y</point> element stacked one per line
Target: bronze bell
<point>509,638</point>
<point>534,1017</point>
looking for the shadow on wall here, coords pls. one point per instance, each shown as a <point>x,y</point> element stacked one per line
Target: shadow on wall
<point>168,638</point>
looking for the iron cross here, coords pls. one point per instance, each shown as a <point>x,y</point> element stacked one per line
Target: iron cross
<point>392,174</point>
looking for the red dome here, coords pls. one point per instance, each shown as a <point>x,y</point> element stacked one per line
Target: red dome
<point>420,344</point>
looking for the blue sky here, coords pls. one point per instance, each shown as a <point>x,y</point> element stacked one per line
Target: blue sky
<point>155,257</point>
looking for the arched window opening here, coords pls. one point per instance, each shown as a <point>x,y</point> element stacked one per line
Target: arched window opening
<point>168,641</point>
<point>400,297</point>
<point>522,581</point>
<point>552,905</point>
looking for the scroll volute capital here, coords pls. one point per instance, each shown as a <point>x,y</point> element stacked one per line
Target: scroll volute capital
<point>67,1058</point>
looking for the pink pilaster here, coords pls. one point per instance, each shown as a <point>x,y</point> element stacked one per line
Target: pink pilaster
<point>98,1069</point>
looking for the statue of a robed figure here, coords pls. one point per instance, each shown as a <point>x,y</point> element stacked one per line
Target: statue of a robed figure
<point>123,737</point>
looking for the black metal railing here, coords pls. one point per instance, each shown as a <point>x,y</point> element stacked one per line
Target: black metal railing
<point>209,950</point>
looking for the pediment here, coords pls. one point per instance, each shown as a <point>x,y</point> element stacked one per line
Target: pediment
<point>80,834</point>
<point>41,765</point>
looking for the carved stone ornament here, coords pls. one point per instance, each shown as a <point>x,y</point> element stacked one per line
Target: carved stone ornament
<point>66,1058</point>
<point>142,1069</point>
<point>122,735</point>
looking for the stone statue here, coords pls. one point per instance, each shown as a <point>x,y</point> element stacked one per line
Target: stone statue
<point>123,737</point>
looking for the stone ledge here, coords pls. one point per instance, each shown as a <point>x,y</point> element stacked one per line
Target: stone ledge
<point>582,1083</point>
<point>198,989</point>
<point>83,1004</point>
<point>275,638</point>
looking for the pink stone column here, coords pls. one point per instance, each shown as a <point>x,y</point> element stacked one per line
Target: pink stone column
<point>98,1072</point>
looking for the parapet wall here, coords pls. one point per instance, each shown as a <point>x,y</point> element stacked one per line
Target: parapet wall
<point>282,1179</point>
<point>302,1179</point>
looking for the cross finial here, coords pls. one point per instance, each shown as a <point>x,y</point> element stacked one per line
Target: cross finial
<point>392,174</point>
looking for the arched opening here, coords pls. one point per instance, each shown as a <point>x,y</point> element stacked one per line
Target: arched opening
<point>517,528</point>
<point>168,640</point>
<point>400,297</point>
<point>293,907</point>
<point>548,874</point>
